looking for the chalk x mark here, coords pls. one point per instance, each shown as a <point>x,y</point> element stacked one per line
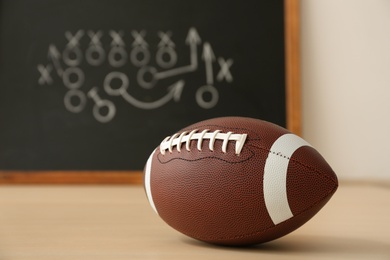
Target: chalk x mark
<point>225,73</point>
<point>45,77</point>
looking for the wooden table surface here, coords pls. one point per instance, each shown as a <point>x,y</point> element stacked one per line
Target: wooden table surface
<point>116,222</point>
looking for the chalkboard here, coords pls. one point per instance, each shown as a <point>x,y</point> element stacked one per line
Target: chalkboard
<point>90,88</point>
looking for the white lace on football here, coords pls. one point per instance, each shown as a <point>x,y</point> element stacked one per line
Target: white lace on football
<point>177,140</point>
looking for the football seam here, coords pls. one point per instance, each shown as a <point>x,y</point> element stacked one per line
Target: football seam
<point>316,171</point>
<point>251,156</point>
<point>207,157</point>
<point>300,163</point>
<point>302,212</point>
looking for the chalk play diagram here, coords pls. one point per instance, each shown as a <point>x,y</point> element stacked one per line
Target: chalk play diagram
<point>66,66</point>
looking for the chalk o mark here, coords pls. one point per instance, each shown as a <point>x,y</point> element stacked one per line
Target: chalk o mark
<point>72,56</point>
<point>117,57</point>
<point>200,96</point>
<point>69,75</point>
<point>119,90</point>
<point>71,96</point>
<point>139,56</point>
<point>146,77</point>
<point>166,57</point>
<point>95,55</point>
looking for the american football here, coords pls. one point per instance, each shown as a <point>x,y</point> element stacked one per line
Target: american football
<point>237,181</point>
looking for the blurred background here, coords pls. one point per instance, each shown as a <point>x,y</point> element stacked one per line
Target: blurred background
<point>96,85</point>
<point>91,86</point>
<point>345,64</point>
<point>72,107</point>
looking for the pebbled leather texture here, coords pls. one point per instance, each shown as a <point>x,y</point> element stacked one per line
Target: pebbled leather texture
<point>218,197</point>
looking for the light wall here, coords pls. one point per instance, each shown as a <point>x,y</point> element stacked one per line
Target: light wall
<point>345,58</point>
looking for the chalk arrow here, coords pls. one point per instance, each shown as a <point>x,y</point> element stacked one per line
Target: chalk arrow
<point>174,92</point>
<point>193,37</point>
<point>192,40</point>
<point>208,57</point>
<point>55,56</point>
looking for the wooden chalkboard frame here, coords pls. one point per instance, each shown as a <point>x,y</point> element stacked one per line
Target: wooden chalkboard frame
<point>293,106</point>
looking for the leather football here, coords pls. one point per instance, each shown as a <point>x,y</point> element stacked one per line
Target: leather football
<point>237,181</point>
